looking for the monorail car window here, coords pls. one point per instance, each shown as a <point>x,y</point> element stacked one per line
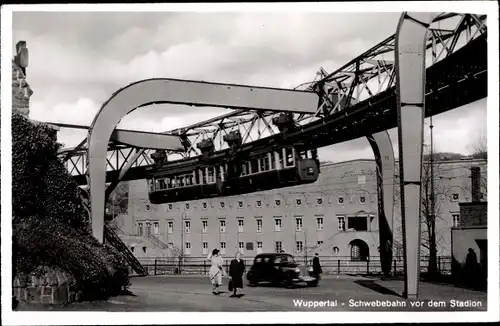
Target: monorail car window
<point>203,176</point>
<point>254,166</point>
<point>290,157</point>
<point>264,163</point>
<point>281,155</point>
<point>272,156</point>
<point>211,178</point>
<point>244,168</point>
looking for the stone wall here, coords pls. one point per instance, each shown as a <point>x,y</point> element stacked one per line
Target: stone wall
<point>51,287</point>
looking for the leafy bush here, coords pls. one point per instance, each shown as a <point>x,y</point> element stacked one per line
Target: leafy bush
<point>49,222</point>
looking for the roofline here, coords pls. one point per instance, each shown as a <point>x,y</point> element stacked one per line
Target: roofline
<point>476,160</point>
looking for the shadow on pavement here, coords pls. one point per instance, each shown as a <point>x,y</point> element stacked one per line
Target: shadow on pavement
<point>369,284</point>
<point>126,293</point>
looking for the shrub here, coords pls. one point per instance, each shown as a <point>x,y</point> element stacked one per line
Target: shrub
<point>49,225</point>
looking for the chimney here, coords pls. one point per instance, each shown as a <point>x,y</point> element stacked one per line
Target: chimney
<point>476,183</point>
<point>22,56</point>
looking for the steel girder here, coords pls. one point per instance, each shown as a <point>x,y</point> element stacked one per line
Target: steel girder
<point>366,76</point>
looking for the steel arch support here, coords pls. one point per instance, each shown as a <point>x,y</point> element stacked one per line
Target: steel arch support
<point>411,36</point>
<point>162,90</point>
<point>384,158</point>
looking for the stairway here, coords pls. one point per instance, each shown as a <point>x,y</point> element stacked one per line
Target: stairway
<point>112,238</point>
<point>157,242</point>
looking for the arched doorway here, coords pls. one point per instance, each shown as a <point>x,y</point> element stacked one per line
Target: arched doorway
<point>359,250</point>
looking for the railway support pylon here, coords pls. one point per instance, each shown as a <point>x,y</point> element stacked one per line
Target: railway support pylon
<point>384,158</point>
<point>411,36</point>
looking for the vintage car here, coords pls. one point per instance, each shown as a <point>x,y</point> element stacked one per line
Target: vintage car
<point>278,269</point>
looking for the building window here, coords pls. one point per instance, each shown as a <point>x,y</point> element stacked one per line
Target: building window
<point>148,229</point>
<point>361,179</point>
<point>298,224</point>
<point>140,230</point>
<point>222,226</point>
<point>170,227</point>
<point>320,243</point>
<point>336,250</point>
<point>205,248</point>
<point>204,205</point>
<point>319,201</point>
<point>341,223</point>
<point>186,205</point>
<point>455,197</point>
<point>259,225</point>
<point>132,248</point>
<point>156,227</point>
<point>188,248</point>
<point>455,220</point>
<point>240,204</point>
<point>259,203</point>
<point>170,206</point>
<point>259,247</point>
<point>170,245</point>
<point>357,223</point>
<point>278,247</point>
<point>298,202</point>
<point>319,223</point>
<point>223,248</point>
<point>222,204</point>
<point>340,200</point>
<point>277,224</point>
<point>148,208</point>
<point>240,226</point>
<point>187,226</point>
<point>362,199</point>
<point>277,202</point>
<point>204,226</point>
<point>299,246</point>
<point>241,247</point>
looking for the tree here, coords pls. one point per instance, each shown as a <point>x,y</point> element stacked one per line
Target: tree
<point>49,226</point>
<point>118,200</point>
<point>480,146</point>
<point>430,213</point>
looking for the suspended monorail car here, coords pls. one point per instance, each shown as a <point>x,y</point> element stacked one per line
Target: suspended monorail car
<point>278,168</point>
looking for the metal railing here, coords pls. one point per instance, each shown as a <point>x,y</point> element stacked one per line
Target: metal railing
<point>333,265</point>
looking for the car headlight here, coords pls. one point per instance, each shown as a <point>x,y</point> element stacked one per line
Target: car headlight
<point>297,270</point>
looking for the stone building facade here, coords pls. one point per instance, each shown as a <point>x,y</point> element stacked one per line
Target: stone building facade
<point>335,216</point>
<point>21,90</point>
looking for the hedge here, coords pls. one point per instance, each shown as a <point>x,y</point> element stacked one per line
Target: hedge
<point>49,221</point>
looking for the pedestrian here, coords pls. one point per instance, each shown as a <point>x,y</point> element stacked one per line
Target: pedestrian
<point>317,270</point>
<point>236,271</point>
<point>470,267</point>
<point>216,270</point>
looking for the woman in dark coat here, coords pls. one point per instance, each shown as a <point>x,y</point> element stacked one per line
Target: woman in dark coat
<point>236,270</point>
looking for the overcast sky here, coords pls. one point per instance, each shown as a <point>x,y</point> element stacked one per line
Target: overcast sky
<point>77,60</point>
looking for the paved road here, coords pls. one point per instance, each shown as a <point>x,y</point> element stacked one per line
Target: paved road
<point>193,293</point>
